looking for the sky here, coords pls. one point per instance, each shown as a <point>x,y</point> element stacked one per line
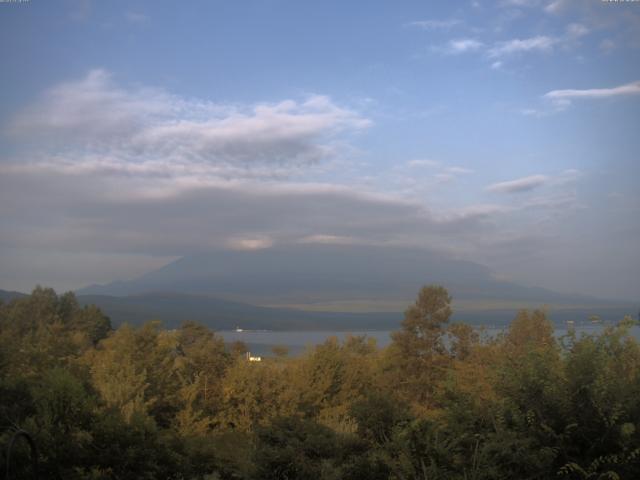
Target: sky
<point>506,133</point>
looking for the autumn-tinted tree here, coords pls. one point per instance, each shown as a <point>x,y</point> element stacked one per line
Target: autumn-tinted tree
<point>418,352</point>
<point>441,402</point>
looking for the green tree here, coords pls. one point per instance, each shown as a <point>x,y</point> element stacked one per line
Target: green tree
<point>418,352</point>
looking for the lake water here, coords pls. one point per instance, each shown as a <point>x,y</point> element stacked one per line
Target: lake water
<point>260,342</point>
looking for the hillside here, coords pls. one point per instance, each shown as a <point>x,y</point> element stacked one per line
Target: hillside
<point>172,309</point>
<point>312,274</point>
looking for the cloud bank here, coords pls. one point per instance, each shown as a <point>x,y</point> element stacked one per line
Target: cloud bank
<point>93,115</point>
<point>116,173</point>
<point>141,171</point>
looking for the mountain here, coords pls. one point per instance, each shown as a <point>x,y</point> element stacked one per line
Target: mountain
<point>316,274</point>
<point>172,309</point>
<point>327,287</point>
<point>6,295</point>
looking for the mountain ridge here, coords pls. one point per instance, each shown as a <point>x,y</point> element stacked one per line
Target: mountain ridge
<point>172,309</point>
<point>316,273</point>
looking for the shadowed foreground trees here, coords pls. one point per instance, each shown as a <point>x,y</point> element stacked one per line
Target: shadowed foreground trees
<point>439,403</point>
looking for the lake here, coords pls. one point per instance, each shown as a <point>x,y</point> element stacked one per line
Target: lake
<point>260,342</point>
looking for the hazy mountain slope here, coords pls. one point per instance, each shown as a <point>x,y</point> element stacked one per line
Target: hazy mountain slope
<point>316,273</point>
<point>173,309</point>
<point>7,296</point>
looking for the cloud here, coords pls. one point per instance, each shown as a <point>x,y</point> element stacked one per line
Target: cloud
<point>484,210</point>
<point>540,43</point>
<point>556,6</point>
<point>435,24</point>
<point>329,240</point>
<point>115,214</point>
<point>460,45</point>
<point>519,185</point>
<point>423,174</point>
<point>560,100</point>
<point>458,170</point>
<point>520,3</point>
<point>515,46</point>
<point>95,115</point>
<point>140,171</point>
<point>423,163</point>
<point>250,243</point>
<point>575,30</point>
<point>137,170</point>
<point>563,98</point>
<point>104,171</point>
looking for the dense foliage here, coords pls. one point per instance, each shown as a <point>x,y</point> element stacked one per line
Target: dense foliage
<point>441,402</point>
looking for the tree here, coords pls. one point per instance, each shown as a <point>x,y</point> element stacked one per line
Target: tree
<point>203,362</point>
<point>280,350</point>
<point>44,330</point>
<point>463,339</point>
<point>418,350</point>
<point>293,448</point>
<point>118,375</point>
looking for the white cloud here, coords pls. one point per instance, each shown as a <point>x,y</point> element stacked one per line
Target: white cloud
<point>498,51</point>
<point>575,30</point>
<point>563,98</point>
<point>435,24</point>
<point>460,45</point>
<point>556,6</point>
<point>520,3</point>
<point>250,243</point>
<point>465,45</point>
<point>519,185</point>
<point>529,112</point>
<point>95,115</point>
<point>540,43</point>
<point>128,172</point>
<point>458,170</point>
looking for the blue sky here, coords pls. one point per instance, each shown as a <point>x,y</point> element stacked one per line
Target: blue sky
<point>501,132</point>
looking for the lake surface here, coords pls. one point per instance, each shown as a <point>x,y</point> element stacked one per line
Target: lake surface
<point>260,342</point>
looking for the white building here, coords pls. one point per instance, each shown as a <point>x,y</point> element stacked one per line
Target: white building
<point>253,359</point>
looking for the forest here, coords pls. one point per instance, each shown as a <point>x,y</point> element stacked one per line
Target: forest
<point>442,401</point>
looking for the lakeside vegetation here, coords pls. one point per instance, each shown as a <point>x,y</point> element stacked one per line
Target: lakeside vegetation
<point>150,403</point>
